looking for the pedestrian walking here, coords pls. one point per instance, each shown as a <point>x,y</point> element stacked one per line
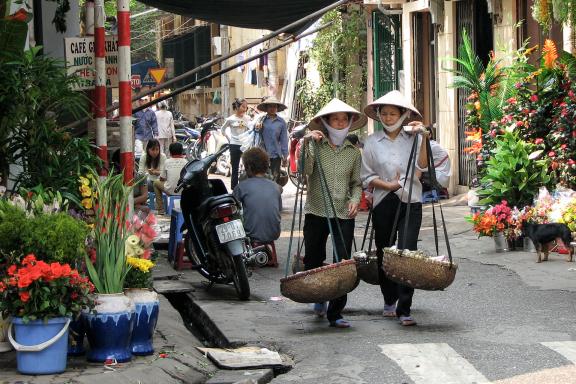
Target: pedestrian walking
<point>166,131</point>
<point>234,126</point>
<point>274,134</point>
<point>146,127</point>
<point>340,160</point>
<point>384,163</point>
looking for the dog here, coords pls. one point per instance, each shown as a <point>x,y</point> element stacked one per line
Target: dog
<point>543,234</point>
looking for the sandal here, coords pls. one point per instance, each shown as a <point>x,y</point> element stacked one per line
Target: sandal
<point>340,323</point>
<point>407,321</point>
<point>389,311</point>
<point>320,309</point>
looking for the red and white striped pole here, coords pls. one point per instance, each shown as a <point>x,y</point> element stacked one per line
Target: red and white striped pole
<point>100,85</point>
<point>125,91</point>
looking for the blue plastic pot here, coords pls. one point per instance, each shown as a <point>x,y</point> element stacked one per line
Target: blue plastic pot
<point>147,310</point>
<point>76,337</point>
<point>109,330</point>
<point>41,347</point>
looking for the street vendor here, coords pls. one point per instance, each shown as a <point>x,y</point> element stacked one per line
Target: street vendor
<point>384,164</point>
<point>340,161</point>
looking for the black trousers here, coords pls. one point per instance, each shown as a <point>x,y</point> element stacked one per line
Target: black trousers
<point>235,154</point>
<point>383,220</point>
<point>275,164</point>
<point>316,233</point>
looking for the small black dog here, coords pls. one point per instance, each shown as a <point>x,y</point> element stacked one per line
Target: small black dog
<point>543,234</point>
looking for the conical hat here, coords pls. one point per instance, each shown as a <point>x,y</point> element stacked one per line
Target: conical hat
<point>271,100</point>
<point>335,105</point>
<point>391,98</point>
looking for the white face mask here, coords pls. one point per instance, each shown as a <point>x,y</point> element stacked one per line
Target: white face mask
<point>337,136</point>
<point>396,125</point>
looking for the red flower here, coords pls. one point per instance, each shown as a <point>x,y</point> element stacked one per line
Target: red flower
<point>534,98</point>
<point>563,146</point>
<point>20,15</point>
<point>12,269</point>
<point>29,259</point>
<point>552,154</point>
<point>25,296</point>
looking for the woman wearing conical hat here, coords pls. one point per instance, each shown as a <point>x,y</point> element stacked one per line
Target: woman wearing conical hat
<point>341,162</point>
<point>384,164</point>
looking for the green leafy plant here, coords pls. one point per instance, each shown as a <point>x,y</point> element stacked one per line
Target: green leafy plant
<point>34,289</point>
<point>511,174</point>
<point>109,270</point>
<point>13,222</point>
<point>55,238</point>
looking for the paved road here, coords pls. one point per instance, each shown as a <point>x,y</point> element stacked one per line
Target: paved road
<point>504,316</point>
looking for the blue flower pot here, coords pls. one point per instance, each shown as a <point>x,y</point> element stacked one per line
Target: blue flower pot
<point>109,328</point>
<point>147,310</point>
<point>76,337</point>
<point>41,347</point>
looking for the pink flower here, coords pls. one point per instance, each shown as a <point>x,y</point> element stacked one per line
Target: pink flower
<point>539,141</point>
<point>552,154</point>
<point>534,98</point>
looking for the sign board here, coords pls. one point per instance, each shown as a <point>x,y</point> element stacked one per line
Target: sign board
<point>80,60</point>
<point>135,82</point>
<point>158,74</point>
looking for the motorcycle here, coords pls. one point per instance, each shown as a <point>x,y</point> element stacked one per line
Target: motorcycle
<point>215,241</point>
<point>210,141</point>
<point>296,137</point>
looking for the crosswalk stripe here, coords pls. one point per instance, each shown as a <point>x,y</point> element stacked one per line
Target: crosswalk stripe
<point>433,363</point>
<point>565,348</point>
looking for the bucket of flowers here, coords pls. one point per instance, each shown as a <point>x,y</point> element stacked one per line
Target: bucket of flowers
<point>493,222</point>
<point>42,298</point>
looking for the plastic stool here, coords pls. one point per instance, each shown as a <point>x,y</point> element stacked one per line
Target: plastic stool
<point>429,196</point>
<point>180,263</point>
<point>151,200</point>
<point>176,222</point>
<point>169,202</point>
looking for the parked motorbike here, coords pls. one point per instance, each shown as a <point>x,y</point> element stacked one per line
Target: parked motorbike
<point>215,241</point>
<point>296,138</point>
<point>210,141</point>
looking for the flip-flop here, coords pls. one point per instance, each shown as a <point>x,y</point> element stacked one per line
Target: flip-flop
<point>340,323</point>
<point>389,314</point>
<point>407,321</point>
<point>389,311</point>
<point>320,309</point>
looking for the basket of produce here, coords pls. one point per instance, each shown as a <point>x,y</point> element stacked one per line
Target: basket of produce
<point>320,284</point>
<point>367,266</point>
<point>418,270</point>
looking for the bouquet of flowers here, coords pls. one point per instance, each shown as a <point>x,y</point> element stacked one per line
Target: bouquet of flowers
<point>34,289</point>
<point>494,219</point>
<point>138,250</point>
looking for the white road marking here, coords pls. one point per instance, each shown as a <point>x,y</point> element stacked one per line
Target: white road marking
<point>565,348</point>
<point>433,363</point>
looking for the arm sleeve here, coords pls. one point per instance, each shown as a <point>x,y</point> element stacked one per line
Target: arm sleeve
<point>142,165</point>
<point>162,163</point>
<point>367,172</point>
<point>225,125</point>
<point>172,128</point>
<point>308,158</point>
<point>355,181</point>
<point>284,140</point>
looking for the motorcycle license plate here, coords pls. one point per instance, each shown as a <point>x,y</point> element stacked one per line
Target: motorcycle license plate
<point>232,230</point>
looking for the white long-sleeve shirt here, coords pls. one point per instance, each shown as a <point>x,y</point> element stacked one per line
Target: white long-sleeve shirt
<point>165,124</point>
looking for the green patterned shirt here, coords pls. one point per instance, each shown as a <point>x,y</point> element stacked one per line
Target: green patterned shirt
<point>341,167</point>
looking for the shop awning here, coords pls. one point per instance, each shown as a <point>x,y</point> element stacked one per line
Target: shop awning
<point>256,14</point>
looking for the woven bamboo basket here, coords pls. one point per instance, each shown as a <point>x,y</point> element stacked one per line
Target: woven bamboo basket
<point>321,284</point>
<point>416,270</point>
<point>367,266</point>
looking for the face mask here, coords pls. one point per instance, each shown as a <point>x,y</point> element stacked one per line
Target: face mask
<point>395,126</point>
<point>337,136</point>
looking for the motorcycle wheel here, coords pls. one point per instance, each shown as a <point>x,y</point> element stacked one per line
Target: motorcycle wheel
<point>241,278</point>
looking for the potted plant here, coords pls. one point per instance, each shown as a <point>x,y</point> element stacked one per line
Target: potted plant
<point>139,283</point>
<point>109,326</point>
<point>493,223</point>
<point>42,298</point>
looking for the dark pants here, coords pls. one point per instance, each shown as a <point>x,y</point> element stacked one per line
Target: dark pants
<point>235,154</point>
<point>316,233</point>
<point>383,220</point>
<point>275,164</point>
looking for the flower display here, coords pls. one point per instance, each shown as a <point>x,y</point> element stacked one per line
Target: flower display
<point>138,251</point>
<point>34,289</point>
<point>494,219</point>
<point>87,190</point>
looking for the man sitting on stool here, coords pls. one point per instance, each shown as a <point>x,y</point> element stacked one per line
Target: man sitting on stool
<point>169,178</point>
<point>261,199</point>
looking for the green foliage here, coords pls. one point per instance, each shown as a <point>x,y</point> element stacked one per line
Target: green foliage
<point>13,223</point>
<point>56,238</point>
<point>511,175</point>
<point>338,51</point>
<point>545,12</point>
<point>109,271</point>
<point>37,96</point>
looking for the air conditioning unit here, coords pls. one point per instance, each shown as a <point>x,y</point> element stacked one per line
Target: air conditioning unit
<point>217,43</point>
